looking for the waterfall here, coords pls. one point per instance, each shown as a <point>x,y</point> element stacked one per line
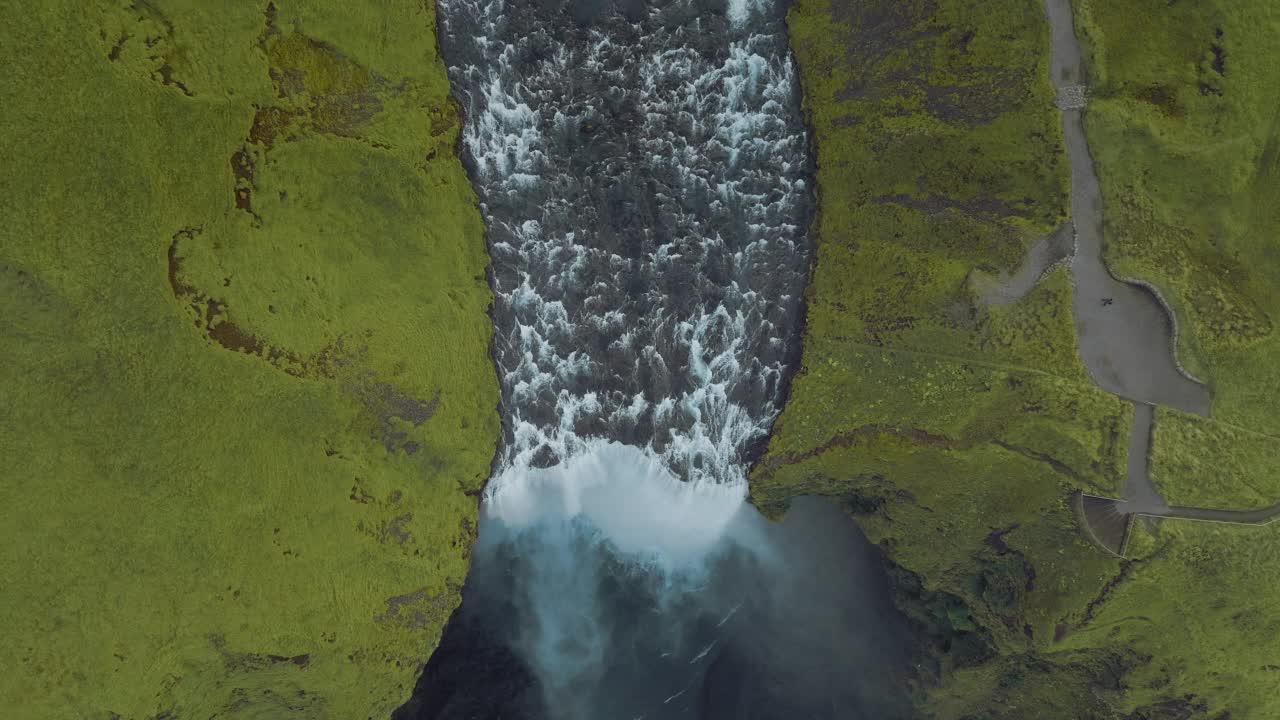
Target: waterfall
<point>643,172</point>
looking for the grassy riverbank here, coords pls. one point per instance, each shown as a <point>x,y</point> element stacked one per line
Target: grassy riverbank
<point>244,354</point>
<point>954,432</point>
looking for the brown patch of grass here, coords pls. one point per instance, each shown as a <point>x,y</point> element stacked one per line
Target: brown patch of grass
<point>114,53</point>
<point>1164,98</point>
<point>415,609</point>
<point>166,77</point>
<point>268,124</point>
<point>242,171</point>
<point>211,315</point>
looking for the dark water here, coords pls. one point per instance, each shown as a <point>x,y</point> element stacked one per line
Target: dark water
<point>789,622</point>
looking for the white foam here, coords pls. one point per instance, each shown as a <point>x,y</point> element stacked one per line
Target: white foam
<point>740,10</point>
<point>626,493</point>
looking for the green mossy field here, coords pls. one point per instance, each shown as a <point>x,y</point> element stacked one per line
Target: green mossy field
<point>955,433</point>
<point>1199,462</point>
<point>1184,123</point>
<point>1185,127</point>
<point>244,351</point>
<point>1198,606</point>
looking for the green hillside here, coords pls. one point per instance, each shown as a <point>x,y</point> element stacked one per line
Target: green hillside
<point>243,346</point>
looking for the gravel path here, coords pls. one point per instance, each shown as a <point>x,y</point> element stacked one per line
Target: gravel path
<point>1047,252</point>
<point>1126,334</point>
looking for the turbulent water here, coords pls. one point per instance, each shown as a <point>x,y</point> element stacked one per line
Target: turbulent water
<point>643,172</point>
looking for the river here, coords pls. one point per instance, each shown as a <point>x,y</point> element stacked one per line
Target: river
<point>644,173</point>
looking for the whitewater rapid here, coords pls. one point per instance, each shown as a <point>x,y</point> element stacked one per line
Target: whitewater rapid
<point>642,169</point>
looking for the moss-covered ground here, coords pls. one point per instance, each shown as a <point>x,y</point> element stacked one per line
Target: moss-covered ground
<point>1199,462</point>
<point>956,433</point>
<point>1185,127</point>
<point>1185,130</point>
<point>243,350</point>
<point>1198,605</point>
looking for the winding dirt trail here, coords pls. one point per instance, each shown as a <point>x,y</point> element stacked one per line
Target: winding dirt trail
<point>1126,333</point>
<point>1044,255</point>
